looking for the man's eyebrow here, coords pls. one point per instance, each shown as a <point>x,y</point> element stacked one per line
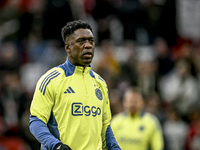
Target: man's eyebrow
<point>85,38</point>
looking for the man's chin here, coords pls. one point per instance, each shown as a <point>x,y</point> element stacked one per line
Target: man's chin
<point>87,62</point>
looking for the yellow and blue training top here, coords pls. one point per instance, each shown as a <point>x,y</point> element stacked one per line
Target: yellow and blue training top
<point>71,105</point>
<point>139,132</point>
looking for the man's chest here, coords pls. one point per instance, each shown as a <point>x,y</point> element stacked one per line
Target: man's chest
<point>80,95</point>
<point>133,132</point>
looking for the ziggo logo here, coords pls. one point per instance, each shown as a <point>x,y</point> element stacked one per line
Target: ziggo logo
<point>79,110</point>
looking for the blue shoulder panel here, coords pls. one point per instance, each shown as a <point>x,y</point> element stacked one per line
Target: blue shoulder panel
<point>92,74</point>
<point>47,80</point>
<point>68,67</point>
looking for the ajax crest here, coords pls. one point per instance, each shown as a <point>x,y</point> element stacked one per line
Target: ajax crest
<point>98,93</point>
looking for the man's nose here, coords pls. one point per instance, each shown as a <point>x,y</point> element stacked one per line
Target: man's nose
<point>88,44</point>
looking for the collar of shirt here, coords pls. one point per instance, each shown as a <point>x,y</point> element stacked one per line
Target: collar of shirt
<point>69,68</point>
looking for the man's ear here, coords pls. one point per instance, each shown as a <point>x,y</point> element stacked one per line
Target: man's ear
<point>67,48</point>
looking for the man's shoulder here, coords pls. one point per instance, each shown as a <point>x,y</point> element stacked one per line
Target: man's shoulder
<point>151,118</point>
<point>52,73</point>
<point>119,117</point>
<point>98,77</point>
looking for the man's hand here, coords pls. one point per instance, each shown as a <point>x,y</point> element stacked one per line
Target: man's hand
<point>61,146</point>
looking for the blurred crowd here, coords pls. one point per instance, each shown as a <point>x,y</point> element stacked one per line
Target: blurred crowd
<point>152,44</point>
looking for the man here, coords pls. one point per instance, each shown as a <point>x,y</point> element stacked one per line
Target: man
<point>70,107</point>
<point>135,129</point>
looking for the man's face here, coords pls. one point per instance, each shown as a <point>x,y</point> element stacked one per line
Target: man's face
<point>80,47</point>
<point>133,102</point>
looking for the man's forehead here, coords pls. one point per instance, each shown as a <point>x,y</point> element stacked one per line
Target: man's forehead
<point>83,33</point>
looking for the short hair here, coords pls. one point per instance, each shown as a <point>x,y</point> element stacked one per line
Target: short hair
<point>134,89</point>
<point>72,26</point>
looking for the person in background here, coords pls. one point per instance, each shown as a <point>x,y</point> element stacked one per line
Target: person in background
<point>135,128</point>
<point>193,135</point>
<point>180,88</point>
<point>70,107</point>
<point>175,130</point>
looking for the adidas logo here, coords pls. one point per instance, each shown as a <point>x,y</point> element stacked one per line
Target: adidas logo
<point>69,90</point>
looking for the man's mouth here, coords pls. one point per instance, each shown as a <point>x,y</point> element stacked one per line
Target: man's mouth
<point>87,55</point>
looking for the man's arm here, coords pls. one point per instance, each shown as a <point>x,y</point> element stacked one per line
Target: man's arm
<point>108,140</point>
<point>111,142</point>
<point>40,131</point>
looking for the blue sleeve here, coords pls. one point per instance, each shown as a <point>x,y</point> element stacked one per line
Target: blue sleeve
<point>111,143</point>
<point>41,132</point>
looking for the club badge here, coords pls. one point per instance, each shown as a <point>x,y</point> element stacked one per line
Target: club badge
<point>98,93</point>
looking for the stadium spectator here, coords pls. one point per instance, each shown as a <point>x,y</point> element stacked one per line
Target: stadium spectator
<point>193,135</point>
<point>146,69</point>
<point>175,130</point>
<point>180,88</point>
<point>108,65</point>
<point>103,19</point>
<point>164,60</point>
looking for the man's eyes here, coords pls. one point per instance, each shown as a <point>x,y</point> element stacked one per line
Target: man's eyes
<point>80,41</point>
<point>91,40</point>
<point>83,40</point>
